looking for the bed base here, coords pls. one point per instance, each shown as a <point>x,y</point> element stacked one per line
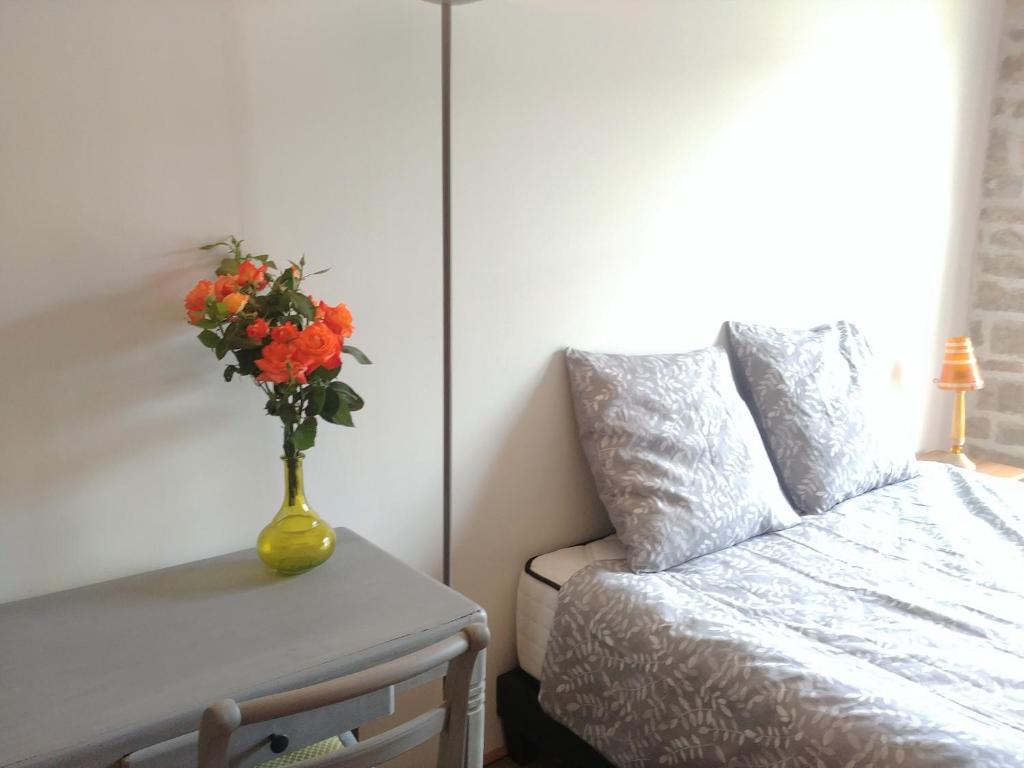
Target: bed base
<point>531,735</point>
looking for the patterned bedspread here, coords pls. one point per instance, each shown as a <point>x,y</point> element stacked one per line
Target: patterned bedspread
<point>886,632</point>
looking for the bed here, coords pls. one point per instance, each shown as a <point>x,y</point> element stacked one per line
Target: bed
<point>886,631</point>
<point>790,587</point>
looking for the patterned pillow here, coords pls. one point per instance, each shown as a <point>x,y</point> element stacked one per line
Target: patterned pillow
<point>823,422</point>
<point>675,454</point>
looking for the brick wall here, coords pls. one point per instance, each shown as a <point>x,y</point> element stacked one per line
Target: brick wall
<point>996,414</point>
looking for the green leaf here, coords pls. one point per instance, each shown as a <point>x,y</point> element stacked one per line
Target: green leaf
<point>214,309</point>
<point>305,435</point>
<point>206,324</point>
<point>272,306</point>
<point>336,410</point>
<point>324,374</point>
<point>357,354</point>
<point>315,404</point>
<point>211,246</point>
<point>247,361</point>
<point>209,339</point>
<point>271,406</point>
<point>229,372</point>
<point>302,305</point>
<point>222,348</point>
<point>228,266</point>
<point>287,279</point>
<point>235,332</point>
<point>349,395</point>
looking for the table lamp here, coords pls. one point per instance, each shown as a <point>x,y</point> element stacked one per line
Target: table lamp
<point>959,375</point>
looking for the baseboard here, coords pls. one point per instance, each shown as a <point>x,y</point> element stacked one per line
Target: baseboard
<point>494,755</point>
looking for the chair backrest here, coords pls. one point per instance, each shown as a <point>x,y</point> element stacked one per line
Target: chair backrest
<point>459,651</point>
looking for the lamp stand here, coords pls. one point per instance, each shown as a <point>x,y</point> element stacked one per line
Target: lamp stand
<point>958,434</point>
<point>446,280</point>
<point>446,284</point>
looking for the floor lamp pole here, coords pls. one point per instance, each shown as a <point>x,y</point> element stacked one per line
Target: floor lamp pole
<point>446,278</point>
<point>446,274</point>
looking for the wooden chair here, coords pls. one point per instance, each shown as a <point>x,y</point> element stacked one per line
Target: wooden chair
<point>460,652</point>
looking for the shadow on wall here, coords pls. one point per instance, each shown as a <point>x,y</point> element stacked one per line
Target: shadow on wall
<point>97,381</point>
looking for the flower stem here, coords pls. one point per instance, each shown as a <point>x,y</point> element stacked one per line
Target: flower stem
<point>290,454</point>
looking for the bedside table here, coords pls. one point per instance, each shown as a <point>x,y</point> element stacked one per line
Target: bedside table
<point>985,467</point>
<point>1000,470</point>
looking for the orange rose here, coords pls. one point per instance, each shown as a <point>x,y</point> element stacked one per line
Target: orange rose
<point>319,346</point>
<point>285,333</point>
<point>225,284</point>
<point>338,319</point>
<point>280,364</point>
<point>195,301</point>
<point>234,302</point>
<point>257,329</point>
<point>251,274</point>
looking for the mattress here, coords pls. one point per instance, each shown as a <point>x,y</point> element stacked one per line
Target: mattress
<point>539,583</point>
<point>888,631</point>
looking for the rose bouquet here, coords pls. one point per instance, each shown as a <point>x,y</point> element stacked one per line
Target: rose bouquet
<point>287,341</point>
<point>291,345</point>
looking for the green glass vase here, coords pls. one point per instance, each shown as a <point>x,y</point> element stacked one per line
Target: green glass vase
<point>297,539</point>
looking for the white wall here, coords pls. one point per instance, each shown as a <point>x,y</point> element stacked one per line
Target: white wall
<point>131,132</point>
<point>628,175</point>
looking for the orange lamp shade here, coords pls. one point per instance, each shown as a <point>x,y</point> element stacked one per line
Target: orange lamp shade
<point>959,366</point>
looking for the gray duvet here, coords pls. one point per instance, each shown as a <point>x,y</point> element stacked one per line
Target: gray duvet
<point>886,632</point>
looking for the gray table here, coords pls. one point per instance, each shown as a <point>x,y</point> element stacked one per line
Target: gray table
<point>92,674</point>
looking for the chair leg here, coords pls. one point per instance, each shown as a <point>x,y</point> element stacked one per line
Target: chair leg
<point>475,714</point>
<point>462,741</point>
<point>348,739</point>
